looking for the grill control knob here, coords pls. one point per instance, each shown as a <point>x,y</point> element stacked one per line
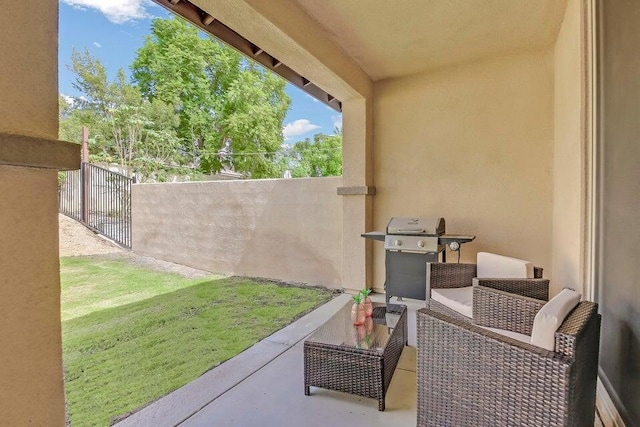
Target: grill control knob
<point>421,243</point>
<point>398,242</point>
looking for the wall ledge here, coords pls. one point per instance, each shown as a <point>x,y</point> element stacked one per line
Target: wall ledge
<point>34,152</point>
<point>364,190</point>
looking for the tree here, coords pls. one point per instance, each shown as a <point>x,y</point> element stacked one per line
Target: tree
<point>73,119</point>
<point>125,128</point>
<point>321,156</point>
<point>230,110</point>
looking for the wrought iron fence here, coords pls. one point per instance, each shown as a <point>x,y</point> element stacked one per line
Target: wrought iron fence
<point>100,199</point>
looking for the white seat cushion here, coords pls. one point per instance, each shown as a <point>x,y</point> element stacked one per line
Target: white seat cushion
<point>492,266</point>
<point>458,299</point>
<point>551,316</point>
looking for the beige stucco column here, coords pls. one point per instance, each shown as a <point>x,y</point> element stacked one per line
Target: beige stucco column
<point>357,191</point>
<point>570,152</point>
<point>31,379</point>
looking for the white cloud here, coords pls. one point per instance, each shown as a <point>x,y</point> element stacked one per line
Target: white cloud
<point>337,121</point>
<point>298,127</point>
<point>116,11</point>
<point>68,99</point>
<point>72,100</point>
<point>96,44</point>
<point>313,98</point>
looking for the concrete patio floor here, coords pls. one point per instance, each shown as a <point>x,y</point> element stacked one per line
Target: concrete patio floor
<point>264,386</point>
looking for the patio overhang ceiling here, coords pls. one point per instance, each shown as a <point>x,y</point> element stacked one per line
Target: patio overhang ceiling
<point>397,38</point>
<point>372,39</point>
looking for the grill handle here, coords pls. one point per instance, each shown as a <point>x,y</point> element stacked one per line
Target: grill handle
<point>411,230</point>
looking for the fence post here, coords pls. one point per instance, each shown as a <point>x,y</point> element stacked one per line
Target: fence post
<point>85,175</point>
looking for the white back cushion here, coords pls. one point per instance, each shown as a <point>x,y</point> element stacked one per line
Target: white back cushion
<point>492,266</point>
<point>551,316</point>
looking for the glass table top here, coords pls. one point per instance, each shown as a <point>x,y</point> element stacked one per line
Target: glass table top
<point>339,330</point>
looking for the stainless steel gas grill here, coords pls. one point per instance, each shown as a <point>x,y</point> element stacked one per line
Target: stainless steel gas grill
<point>409,244</point>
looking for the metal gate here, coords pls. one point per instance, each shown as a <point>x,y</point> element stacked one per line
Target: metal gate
<point>100,199</point>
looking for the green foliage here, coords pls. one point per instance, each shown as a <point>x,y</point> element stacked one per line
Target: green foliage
<point>231,110</point>
<point>357,298</point>
<point>72,119</point>
<point>365,293</point>
<point>124,127</point>
<point>321,156</point>
<point>257,107</point>
<point>131,335</point>
<point>361,295</point>
<point>193,102</point>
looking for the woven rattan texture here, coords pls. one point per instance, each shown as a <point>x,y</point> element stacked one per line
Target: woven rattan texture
<point>443,275</point>
<point>497,309</point>
<point>468,376</point>
<point>353,371</point>
<point>532,288</point>
<point>577,338</point>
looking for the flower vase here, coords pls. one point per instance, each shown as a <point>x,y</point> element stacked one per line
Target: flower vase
<point>358,314</point>
<point>368,325</point>
<point>368,307</point>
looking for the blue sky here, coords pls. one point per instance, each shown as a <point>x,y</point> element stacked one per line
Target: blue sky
<point>113,30</point>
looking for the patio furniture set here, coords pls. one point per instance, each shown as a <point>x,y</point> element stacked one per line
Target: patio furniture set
<point>492,349</point>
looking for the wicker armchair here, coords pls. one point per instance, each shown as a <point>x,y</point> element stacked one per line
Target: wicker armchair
<point>471,376</point>
<point>445,275</point>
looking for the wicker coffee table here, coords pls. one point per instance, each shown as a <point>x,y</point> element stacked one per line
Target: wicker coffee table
<point>356,359</point>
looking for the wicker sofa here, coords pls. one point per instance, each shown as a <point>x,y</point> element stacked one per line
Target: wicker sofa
<point>451,276</point>
<point>469,375</point>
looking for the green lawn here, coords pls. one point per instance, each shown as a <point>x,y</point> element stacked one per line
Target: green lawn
<point>132,335</point>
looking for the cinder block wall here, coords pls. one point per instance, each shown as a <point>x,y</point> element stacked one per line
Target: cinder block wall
<point>287,229</point>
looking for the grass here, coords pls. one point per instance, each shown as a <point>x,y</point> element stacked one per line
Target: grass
<point>132,335</point>
<point>92,284</point>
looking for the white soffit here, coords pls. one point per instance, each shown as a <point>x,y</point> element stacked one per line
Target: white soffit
<point>392,38</point>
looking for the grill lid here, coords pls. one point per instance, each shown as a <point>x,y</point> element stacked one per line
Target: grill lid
<point>416,226</point>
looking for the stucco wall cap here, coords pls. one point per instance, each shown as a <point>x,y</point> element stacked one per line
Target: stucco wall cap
<point>28,151</point>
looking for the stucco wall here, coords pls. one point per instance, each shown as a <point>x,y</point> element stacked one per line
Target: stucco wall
<point>473,144</point>
<point>31,389</point>
<point>281,229</point>
<point>29,81</point>
<point>568,155</point>
<point>31,385</point>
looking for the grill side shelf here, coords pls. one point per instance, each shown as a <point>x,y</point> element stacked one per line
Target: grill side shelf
<point>374,235</point>
<point>445,239</point>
